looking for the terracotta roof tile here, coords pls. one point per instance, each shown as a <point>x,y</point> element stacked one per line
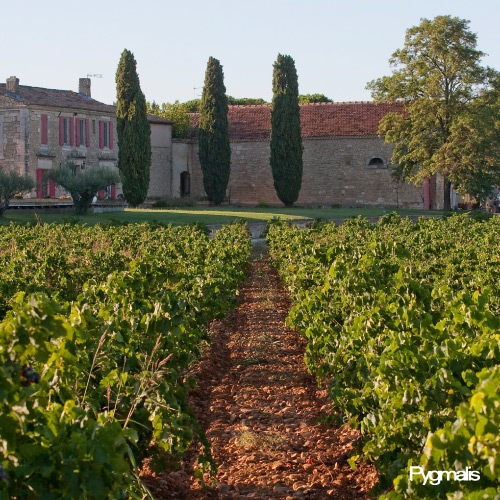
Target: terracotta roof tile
<point>356,118</point>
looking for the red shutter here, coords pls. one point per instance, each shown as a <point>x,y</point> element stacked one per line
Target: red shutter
<point>110,135</point>
<point>52,188</point>
<point>101,134</point>
<point>101,194</point>
<point>44,131</point>
<point>87,132</point>
<point>39,180</point>
<point>71,131</point>
<point>61,131</point>
<point>77,134</point>
<point>113,192</point>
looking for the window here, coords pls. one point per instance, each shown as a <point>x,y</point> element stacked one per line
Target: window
<point>93,127</point>
<point>82,133</point>
<point>105,134</point>
<point>376,162</point>
<point>66,131</point>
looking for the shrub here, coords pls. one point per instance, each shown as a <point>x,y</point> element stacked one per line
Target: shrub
<point>10,184</point>
<point>83,185</point>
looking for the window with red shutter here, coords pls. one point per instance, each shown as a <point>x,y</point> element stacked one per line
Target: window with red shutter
<point>44,130</point>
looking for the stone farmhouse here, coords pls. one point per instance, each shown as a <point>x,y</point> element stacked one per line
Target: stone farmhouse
<point>41,128</point>
<point>345,162</point>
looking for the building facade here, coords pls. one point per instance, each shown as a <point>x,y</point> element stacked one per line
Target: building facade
<point>42,128</point>
<point>344,160</point>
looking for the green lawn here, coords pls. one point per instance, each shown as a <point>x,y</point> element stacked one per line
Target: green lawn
<point>207,215</point>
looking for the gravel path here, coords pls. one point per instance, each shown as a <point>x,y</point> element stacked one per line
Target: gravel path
<point>261,412</point>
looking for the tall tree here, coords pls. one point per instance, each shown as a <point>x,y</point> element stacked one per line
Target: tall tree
<point>439,79</point>
<point>213,134</point>
<point>134,133</point>
<point>286,140</point>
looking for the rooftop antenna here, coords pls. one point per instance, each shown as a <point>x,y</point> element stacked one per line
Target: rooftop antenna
<point>89,75</point>
<point>194,91</point>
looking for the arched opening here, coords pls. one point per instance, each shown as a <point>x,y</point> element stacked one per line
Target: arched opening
<point>185,184</point>
<point>376,162</point>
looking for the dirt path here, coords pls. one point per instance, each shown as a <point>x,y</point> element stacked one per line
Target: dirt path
<point>261,411</point>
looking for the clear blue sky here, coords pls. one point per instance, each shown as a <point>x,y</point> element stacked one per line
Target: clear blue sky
<point>338,45</point>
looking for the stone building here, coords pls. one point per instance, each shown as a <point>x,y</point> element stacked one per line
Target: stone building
<point>42,128</point>
<point>345,162</point>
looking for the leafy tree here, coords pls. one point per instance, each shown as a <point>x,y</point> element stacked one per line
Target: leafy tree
<point>472,152</point>
<point>11,183</point>
<point>308,98</point>
<point>83,185</point>
<point>176,112</point>
<point>134,134</point>
<point>213,134</point>
<point>244,101</point>
<point>193,106</point>
<point>439,79</point>
<point>286,140</point>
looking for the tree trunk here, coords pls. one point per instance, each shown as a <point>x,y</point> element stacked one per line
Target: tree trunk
<point>4,205</point>
<point>447,194</point>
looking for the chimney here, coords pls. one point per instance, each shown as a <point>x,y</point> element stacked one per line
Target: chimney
<point>12,85</point>
<point>84,86</point>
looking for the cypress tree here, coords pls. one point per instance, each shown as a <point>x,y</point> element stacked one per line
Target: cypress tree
<point>134,133</point>
<point>286,140</point>
<point>213,134</point>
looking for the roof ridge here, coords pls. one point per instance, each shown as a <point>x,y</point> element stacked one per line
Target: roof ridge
<point>335,103</point>
<point>248,105</point>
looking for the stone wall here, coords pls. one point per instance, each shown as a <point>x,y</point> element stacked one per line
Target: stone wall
<point>161,160</point>
<point>336,170</point>
<point>13,141</point>
<point>185,159</point>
